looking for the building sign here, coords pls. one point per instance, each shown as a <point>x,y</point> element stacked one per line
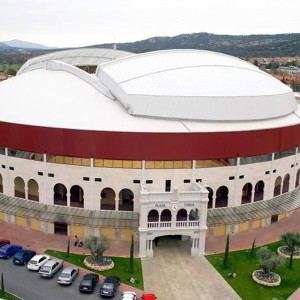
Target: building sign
<point>160,205</point>
<point>189,204</point>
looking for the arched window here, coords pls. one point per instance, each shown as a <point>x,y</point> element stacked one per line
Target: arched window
<point>181,215</point>
<point>108,197</point>
<point>166,215</point>
<point>126,200</point>
<point>194,215</point>
<point>210,197</point>
<point>76,196</point>
<point>277,186</point>
<point>297,178</point>
<point>153,216</point>
<point>60,194</point>
<point>19,187</point>
<point>286,183</point>
<point>222,196</point>
<point>33,190</point>
<point>259,191</point>
<point>247,193</point>
<point>1,184</point>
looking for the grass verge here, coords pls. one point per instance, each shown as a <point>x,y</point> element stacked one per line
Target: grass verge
<point>243,264</point>
<point>120,269</point>
<point>9,296</point>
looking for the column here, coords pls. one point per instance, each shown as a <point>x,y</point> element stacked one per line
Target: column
<point>143,244</point>
<point>294,175</point>
<point>68,198</point>
<point>92,180</point>
<point>26,189</point>
<point>236,192</point>
<point>270,187</point>
<point>7,181</point>
<point>117,203</point>
<point>252,194</point>
<point>45,200</point>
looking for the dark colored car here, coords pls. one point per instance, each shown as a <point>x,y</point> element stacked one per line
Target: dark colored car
<point>4,242</point>
<point>23,257</point>
<point>109,286</point>
<point>88,283</point>
<point>9,250</point>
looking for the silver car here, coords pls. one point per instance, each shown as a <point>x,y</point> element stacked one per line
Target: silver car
<point>68,275</point>
<point>51,267</point>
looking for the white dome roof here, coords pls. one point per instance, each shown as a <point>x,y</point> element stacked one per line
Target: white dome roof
<point>168,87</point>
<point>195,85</point>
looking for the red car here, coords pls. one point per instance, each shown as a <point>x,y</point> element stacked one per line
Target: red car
<point>148,297</point>
<point>4,242</point>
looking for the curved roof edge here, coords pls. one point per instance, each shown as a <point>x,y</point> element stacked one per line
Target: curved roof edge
<point>60,66</point>
<point>77,57</point>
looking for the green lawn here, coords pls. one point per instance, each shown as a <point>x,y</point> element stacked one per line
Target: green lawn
<point>9,296</point>
<point>241,263</point>
<point>5,67</point>
<point>120,269</point>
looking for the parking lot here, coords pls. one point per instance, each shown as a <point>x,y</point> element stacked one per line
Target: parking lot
<point>30,285</point>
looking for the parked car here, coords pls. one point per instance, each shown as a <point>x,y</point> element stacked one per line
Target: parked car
<point>9,250</point>
<point>129,296</point>
<point>4,242</point>
<point>68,275</point>
<point>88,283</point>
<point>148,297</point>
<point>109,286</point>
<point>23,257</point>
<point>37,261</point>
<point>51,267</point>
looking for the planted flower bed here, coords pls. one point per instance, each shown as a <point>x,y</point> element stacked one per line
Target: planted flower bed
<point>271,280</point>
<point>284,252</point>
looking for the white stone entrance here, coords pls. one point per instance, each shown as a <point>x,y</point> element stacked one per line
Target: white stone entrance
<point>173,213</point>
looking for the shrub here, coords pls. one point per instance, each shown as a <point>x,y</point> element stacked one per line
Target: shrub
<point>292,240</point>
<point>268,260</point>
<point>97,246</point>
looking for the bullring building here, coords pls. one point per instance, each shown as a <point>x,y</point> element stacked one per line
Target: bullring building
<point>179,142</point>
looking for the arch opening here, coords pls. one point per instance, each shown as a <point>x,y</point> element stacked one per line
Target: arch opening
<point>222,196</point>
<point>1,184</point>
<point>286,183</point>
<point>60,194</point>
<point>108,197</point>
<point>33,190</point>
<point>182,215</point>
<point>277,186</point>
<point>297,178</point>
<point>19,187</point>
<point>153,216</point>
<point>126,202</point>
<point>247,193</point>
<point>166,216</point>
<point>77,196</point>
<point>259,191</point>
<point>210,197</point>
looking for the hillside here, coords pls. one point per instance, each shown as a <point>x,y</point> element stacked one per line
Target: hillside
<point>25,45</point>
<point>237,45</point>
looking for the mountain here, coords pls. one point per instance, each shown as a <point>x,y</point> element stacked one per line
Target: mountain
<point>26,45</point>
<point>259,45</point>
<point>4,46</point>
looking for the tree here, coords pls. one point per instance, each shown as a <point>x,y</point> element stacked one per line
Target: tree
<point>131,260</point>
<point>225,259</point>
<point>97,246</point>
<point>291,240</point>
<point>2,292</point>
<point>268,260</point>
<point>253,248</point>
<point>68,248</point>
<point>11,71</point>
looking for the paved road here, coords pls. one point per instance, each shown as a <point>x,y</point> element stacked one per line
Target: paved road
<point>183,277</point>
<point>31,286</point>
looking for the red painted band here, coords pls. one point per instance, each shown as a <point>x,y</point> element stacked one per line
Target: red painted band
<point>147,146</point>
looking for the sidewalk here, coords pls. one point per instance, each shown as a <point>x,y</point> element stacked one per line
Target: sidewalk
<point>264,235</point>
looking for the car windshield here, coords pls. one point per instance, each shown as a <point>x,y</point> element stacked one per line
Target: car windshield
<point>86,282</point>
<point>107,286</point>
<point>2,251</point>
<point>33,262</point>
<point>64,275</point>
<point>45,269</point>
<point>18,256</point>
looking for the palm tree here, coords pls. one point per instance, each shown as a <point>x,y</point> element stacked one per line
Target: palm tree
<point>292,240</point>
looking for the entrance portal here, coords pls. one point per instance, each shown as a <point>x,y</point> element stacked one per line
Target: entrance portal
<point>169,243</point>
<point>60,228</point>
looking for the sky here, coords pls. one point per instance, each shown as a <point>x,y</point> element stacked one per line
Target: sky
<point>71,23</point>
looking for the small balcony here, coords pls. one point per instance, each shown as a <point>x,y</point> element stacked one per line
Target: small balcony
<point>177,224</point>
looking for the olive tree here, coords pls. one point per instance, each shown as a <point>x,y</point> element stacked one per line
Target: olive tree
<point>292,240</point>
<point>268,260</point>
<point>97,246</point>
